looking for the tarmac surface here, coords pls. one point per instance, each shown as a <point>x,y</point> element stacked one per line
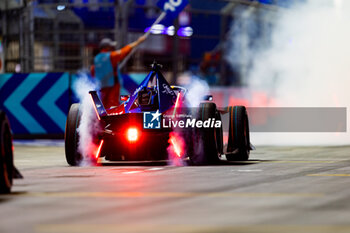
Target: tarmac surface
<point>281,189</point>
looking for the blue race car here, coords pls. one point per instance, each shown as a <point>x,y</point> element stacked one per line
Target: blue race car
<point>154,124</point>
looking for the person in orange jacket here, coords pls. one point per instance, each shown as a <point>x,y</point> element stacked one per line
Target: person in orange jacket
<point>105,68</point>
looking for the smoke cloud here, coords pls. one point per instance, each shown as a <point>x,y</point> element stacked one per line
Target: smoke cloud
<point>304,62</point>
<point>197,88</point>
<point>88,123</point>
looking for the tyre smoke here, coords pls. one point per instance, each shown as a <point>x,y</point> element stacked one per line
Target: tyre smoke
<point>304,61</point>
<point>197,88</point>
<point>88,124</point>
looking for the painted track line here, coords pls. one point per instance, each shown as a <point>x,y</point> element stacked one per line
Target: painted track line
<point>186,228</point>
<point>163,194</point>
<point>334,175</point>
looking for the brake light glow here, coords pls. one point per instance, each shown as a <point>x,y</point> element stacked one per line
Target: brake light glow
<point>176,147</point>
<point>99,150</point>
<point>132,134</point>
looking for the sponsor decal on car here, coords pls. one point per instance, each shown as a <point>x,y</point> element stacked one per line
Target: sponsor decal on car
<point>191,123</point>
<point>153,120</point>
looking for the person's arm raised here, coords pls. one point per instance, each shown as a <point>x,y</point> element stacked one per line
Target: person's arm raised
<point>118,55</point>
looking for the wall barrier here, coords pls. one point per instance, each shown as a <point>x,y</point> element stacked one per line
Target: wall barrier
<point>37,104</point>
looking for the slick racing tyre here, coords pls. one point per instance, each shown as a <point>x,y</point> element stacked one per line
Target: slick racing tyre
<point>71,136</point>
<point>6,155</point>
<point>238,147</point>
<point>208,142</point>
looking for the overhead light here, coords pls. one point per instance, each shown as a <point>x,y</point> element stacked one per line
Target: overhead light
<point>185,32</point>
<point>61,7</point>
<point>170,31</point>
<point>156,29</point>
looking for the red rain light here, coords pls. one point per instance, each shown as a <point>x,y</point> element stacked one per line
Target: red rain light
<point>132,134</point>
<point>99,149</point>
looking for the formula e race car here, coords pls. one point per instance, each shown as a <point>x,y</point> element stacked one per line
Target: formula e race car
<point>155,123</point>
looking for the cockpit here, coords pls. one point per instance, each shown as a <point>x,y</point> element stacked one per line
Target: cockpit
<point>147,99</point>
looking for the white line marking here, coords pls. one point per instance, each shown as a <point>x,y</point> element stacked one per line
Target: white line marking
<point>252,170</point>
<point>131,172</point>
<point>155,169</point>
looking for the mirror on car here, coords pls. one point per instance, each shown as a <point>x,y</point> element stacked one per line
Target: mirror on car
<point>124,97</point>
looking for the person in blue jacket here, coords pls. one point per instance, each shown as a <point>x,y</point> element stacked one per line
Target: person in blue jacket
<point>105,68</point>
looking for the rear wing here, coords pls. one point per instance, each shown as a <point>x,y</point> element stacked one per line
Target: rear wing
<point>98,106</point>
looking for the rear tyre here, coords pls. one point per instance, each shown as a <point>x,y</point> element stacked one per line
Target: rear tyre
<point>239,141</point>
<point>6,155</point>
<point>71,137</point>
<point>208,141</point>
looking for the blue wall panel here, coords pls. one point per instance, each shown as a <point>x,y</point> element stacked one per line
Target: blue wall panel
<point>38,103</point>
<point>35,103</point>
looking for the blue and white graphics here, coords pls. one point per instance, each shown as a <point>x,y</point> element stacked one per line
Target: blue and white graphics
<point>151,120</point>
<point>172,7</point>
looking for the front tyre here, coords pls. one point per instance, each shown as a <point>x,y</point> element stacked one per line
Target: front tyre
<point>6,155</point>
<point>71,137</point>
